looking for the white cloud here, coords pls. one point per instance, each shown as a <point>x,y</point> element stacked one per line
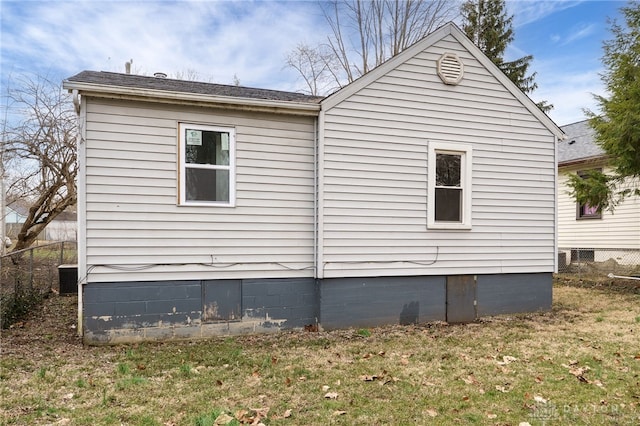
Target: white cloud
<point>216,39</point>
<point>570,91</point>
<point>528,11</point>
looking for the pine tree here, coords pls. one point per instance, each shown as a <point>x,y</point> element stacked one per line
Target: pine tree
<point>617,128</point>
<point>487,24</point>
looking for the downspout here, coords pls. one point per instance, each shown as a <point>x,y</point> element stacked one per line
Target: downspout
<point>623,277</point>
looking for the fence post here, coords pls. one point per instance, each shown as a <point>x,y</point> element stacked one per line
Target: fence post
<point>31,270</point>
<point>61,252</point>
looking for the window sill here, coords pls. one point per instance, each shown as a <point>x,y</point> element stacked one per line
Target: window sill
<point>449,226</point>
<point>205,204</point>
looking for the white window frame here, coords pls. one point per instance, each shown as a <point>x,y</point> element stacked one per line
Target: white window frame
<point>466,153</point>
<point>182,193</point>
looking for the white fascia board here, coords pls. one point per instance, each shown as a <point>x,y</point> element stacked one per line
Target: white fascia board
<point>164,96</point>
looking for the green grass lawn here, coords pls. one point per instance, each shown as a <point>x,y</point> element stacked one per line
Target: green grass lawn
<point>578,364</point>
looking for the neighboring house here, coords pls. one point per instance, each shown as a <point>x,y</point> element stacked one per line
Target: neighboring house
<point>584,232</point>
<point>63,228</point>
<point>15,215</point>
<point>425,190</point>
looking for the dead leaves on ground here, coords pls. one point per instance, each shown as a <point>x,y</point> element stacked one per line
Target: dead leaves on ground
<point>579,373</point>
<point>251,416</point>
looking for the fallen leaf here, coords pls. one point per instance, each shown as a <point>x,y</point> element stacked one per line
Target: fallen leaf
<point>470,380</point>
<point>369,378</point>
<point>524,424</point>
<point>287,414</point>
<point>539,379</point>
<point>539,399</point>
<point>223,419</point>
<point>502,389</point>
<point>325,388</point>
<point>331,395</point>
<point>338,413</point>
<point>507,359</point>
<point>431,412</point>
<point>491,416</point>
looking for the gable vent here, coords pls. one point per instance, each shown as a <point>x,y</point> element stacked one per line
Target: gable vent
<point>450,68</point>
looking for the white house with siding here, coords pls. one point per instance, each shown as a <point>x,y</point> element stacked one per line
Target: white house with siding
<point>585,232</point>
<point>425,190</point>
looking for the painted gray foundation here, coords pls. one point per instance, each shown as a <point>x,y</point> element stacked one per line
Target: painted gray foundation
<point>142,311</point>
<point>369,302</point>
<point>513,293</point>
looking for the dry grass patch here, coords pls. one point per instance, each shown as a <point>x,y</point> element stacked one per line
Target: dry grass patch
<point>578,364</point>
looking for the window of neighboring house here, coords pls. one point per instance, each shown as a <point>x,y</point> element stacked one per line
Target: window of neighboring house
<point>586,211</point>
<point>449,186</point>
<point>207,165</point>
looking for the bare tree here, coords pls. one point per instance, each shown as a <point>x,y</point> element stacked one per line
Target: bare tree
<point>317,67</point>
<point>40,143</point>
<point>364,34</point>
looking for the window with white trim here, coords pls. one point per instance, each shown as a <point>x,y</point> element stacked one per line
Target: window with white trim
<point>207,165</point>
<point>449,186</point>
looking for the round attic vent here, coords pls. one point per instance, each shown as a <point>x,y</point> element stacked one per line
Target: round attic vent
<point>450,68</point>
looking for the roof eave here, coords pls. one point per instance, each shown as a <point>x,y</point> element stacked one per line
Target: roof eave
<point>167,96</point>
<point>586,160</point>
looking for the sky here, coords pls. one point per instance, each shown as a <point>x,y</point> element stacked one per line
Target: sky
<point>222,41</point>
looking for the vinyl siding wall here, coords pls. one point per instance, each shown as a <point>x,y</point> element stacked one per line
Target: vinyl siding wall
<point>375,176</point>
<point>135,226</point>
<point>620,229</point>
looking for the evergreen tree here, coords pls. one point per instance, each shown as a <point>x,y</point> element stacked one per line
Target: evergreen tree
<point>487,24</point>
<point>617,129</point>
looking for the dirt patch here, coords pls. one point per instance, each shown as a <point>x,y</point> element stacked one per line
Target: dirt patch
<point>599,282</point>
<point>51,326</point>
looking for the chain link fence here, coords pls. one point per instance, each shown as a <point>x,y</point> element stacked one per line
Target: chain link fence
<point>26,276</point>
<point>599,262</point>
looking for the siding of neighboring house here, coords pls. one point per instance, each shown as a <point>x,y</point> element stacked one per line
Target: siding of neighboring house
<point>620,229</point>
<point>375,175</point>
<point>61,230</point>
<point>132,216</point>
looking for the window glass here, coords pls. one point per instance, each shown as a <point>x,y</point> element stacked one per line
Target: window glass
<point>449,198</point>
<point>207,185</point>
<point>448,169</point>
<point>207,147</point>
<point>448,203</point>
<point>448,193</point>
<point>206,165</point>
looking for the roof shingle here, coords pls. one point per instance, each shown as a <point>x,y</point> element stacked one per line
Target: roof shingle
<point>168,84</point>
<point>579,144</point>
